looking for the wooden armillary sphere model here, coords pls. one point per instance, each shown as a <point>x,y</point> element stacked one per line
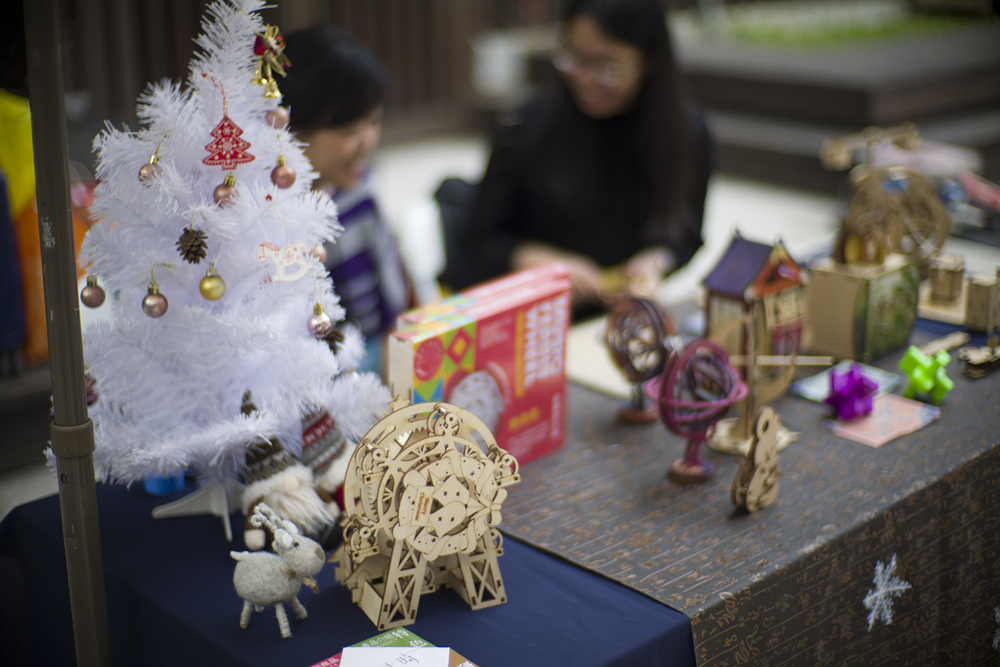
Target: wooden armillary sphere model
<point>635,334</point>
<point>891,208</point>
<point>422,501</point>
<point>697,388</point>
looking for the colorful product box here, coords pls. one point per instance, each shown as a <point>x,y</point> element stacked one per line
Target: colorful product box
<point>499,351</point>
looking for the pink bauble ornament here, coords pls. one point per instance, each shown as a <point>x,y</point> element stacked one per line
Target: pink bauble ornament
<point>320,324</point>
<point>91,386</point>
<point>224,192</point>
<point>319,252</point>
<point>92,296</point>
<point>283,176</point>
<point>277,118</point>
<point>154,304</point>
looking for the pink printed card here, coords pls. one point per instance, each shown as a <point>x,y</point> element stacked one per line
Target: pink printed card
<point>892,416</point>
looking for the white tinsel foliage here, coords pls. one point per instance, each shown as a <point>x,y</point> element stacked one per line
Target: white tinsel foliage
<point>170,388</point>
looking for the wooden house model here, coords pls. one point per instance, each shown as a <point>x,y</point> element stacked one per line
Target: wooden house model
<point>760,284</point>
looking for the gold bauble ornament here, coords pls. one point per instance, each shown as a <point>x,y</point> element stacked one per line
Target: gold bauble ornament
<point>212,286</point>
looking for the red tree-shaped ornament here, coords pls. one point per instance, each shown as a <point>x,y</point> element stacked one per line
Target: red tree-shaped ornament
<point>227,149</point>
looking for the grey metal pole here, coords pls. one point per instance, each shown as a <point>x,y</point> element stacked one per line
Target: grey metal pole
<point>72,430</point>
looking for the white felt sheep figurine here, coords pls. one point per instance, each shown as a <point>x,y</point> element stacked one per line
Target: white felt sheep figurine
<point>265,578</point>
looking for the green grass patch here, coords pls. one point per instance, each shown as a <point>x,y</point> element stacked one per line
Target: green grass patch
<point>839,33</point>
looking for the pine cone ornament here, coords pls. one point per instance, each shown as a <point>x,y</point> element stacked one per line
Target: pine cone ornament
<point>192,245</point>
<point>334,339</point>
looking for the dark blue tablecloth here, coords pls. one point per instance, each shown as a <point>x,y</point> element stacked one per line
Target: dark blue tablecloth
<point>171,601</point>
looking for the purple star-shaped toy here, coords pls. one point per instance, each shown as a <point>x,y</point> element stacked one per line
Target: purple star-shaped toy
<point>851,393</point>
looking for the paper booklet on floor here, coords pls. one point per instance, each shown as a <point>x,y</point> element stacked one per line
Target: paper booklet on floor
<point>395,643</point>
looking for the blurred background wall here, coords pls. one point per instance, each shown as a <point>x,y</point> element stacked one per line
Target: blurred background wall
<point>776,76</point>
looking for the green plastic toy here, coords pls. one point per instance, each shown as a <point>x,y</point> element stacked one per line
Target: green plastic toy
<point>926,375</point>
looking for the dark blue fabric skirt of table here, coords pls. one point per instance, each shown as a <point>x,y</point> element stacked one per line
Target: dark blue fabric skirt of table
<point>171,601</point>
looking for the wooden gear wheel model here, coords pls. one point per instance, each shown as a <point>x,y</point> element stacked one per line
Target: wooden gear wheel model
<point>422,500</point>
<point>892,210</point>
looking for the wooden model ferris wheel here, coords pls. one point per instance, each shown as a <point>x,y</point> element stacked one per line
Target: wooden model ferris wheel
<point>422,501</point>
<point>891,208</point>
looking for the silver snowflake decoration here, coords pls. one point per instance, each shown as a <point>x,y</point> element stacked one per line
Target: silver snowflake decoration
<point>996,634</point>
<point>878,601</point>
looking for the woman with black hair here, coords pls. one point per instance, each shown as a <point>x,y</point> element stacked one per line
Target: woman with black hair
<point>609,171</point>
<point>334,91</point>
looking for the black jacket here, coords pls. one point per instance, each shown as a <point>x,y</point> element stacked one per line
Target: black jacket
<point>579,190</point>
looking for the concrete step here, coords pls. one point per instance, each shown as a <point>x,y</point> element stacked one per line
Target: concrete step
<point>788,151</point>
<point>907,79</point>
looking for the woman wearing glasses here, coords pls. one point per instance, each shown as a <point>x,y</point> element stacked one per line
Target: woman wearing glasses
<point>609,172</point>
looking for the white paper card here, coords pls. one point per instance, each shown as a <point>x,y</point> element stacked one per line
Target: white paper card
<point>395,656</point>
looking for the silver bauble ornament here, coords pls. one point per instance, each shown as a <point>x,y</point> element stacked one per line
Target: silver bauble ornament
<point>320,324</point>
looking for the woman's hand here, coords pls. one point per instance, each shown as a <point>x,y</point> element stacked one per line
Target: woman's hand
<point>584,273</point>
<point>646,269</point>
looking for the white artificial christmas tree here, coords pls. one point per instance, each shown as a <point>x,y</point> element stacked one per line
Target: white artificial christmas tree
<point>204,239</point>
